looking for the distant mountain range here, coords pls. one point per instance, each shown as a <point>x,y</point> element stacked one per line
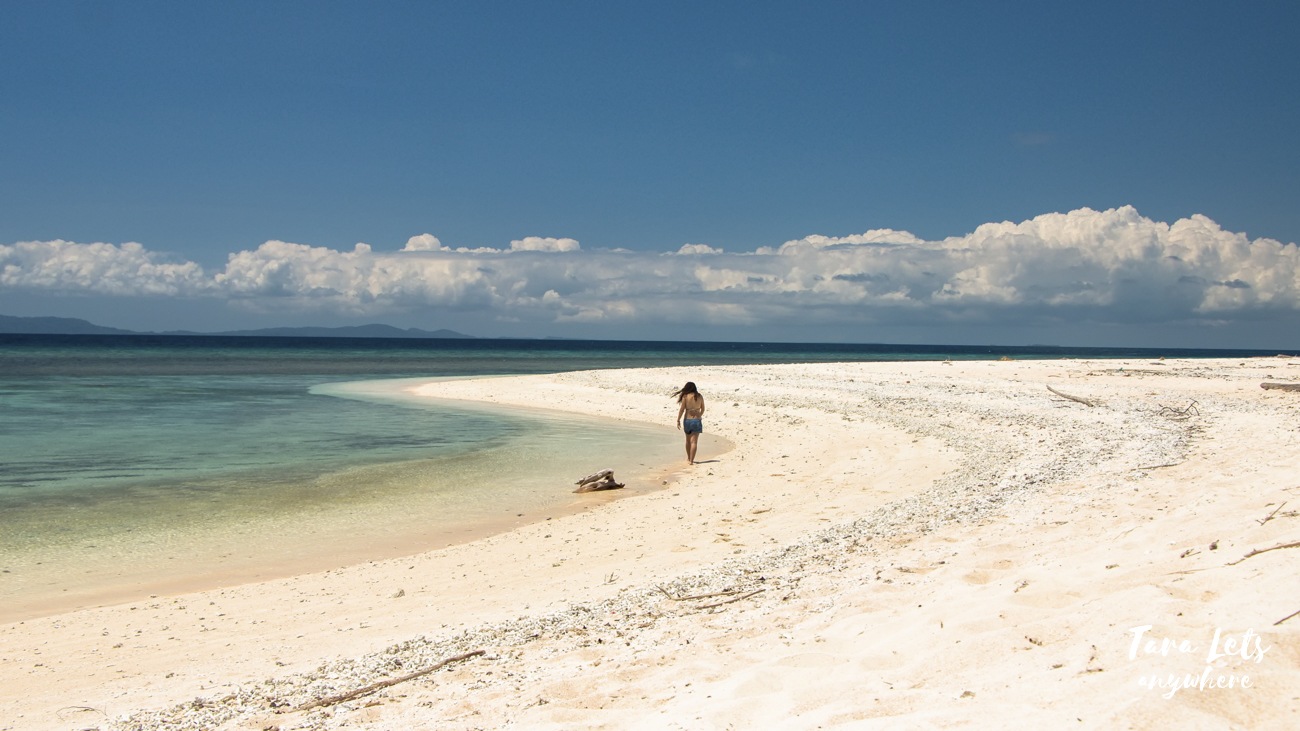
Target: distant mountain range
<point>74,326</point>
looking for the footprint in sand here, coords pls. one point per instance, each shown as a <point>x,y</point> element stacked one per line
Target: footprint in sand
<point>984,574</point>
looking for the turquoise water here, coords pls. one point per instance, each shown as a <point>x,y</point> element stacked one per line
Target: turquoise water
<point>131,464</point>
<point>116,484</point>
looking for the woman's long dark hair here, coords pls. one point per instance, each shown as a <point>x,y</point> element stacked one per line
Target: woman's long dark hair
<point>685,391</point>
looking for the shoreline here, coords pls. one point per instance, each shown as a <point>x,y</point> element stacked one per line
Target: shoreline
<point>216,558</point>
<point>928,543</point>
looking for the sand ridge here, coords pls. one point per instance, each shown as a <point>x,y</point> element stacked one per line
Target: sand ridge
<point>931,544</point>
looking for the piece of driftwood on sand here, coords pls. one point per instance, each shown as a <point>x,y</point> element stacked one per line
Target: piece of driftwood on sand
<point>1281,386</point>
<point>350,695</point>
<point>603,480</point>
<point>1079,399</point>
<point>1257,551</point>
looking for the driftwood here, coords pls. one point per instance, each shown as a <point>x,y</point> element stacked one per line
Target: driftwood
<point>1270,515</point>
<point>1084,401</point>
<point>733,599</point>
<point>1182,413</point>
<point>89,709</point>
<point>728,592</point>
<point>340,698</point>
<point>1258,551</point>
<point>603,480</point>
<point>1281,386</point>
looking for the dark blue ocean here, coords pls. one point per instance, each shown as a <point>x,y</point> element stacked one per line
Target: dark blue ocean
<point>131,462</point>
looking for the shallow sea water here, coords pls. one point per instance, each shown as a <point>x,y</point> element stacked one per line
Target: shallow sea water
<point>119,486</point>
<point>246,524</point>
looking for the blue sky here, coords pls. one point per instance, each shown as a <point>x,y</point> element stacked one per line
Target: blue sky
<point>562,155</point>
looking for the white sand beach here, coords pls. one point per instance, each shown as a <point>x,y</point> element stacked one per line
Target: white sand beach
<point>867,545</point>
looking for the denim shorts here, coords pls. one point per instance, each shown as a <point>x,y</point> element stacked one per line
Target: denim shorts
<point>693,426</point>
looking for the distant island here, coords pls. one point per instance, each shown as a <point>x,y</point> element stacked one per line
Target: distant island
<point>55,326</point>
<point>74,326</point>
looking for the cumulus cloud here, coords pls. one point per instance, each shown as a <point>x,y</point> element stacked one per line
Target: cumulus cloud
<point>360,281</point>
<point>696,249</point>
<point>882,236</point>
<point>537,243</point>
<point>1104,266</point>
<point>99,268</point>
<point>429,242</point>
<point>424,242</point>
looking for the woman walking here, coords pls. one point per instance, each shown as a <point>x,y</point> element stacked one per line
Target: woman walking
<point>690,416</point>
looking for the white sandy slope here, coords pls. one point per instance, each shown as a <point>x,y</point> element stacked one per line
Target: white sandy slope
<point>937,545</point>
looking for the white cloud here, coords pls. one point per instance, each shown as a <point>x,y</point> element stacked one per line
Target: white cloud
<point>877,236</point>
<point>99,268</point>
<point>424,242</point>
<point>1103,266</point>
<point>359,281</point>
<point>538,243</point>
<point>697,249</point>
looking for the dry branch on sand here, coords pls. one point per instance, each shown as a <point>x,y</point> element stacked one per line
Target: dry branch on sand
<point>727,593</point>
<point>1084,401</point>
<point>1281,386</point>
<point>1183,413</point>
<point>733,599</point>
<point>603,480</point>
<point>1270,515</point>
<point>350,695</point>
<point>1258,551</point>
